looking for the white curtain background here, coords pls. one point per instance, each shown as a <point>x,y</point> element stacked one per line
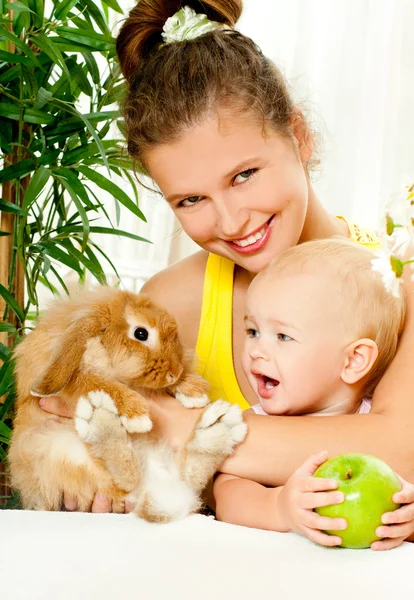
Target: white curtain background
<point>351,64</point>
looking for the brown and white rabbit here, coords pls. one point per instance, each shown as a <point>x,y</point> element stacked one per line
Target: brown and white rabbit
<point>97,349</point>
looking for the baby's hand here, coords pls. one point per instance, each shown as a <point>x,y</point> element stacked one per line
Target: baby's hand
<point>302,493</point>
<point>399,524</point>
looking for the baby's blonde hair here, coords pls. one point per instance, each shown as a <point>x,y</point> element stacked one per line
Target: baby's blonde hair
<point>369,310</point>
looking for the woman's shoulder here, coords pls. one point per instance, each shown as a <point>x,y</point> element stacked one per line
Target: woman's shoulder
<point>179,289</point>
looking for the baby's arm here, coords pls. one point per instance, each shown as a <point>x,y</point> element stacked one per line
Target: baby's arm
<point>288,508</point>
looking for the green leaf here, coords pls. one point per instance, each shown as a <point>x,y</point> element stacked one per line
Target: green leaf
<point>5,431</point>
<point>77,185</point>
<point>92,266</point>
<point>67,179</point>
<point>114,5</point>
<point>17,7</point>
<point>107,230</point>
<point>24,167</point>
<point>4,352</point>
<point>36,185</point>
<point>20,44</point>
<point>6,295</point>
<point>91,38</point>
<point>30,115</point>
<point>52,51</point>
<point>96,14</point>
<point>112,188</point>
<point>64,8</point>
<point>10,74</point>
<point>7,327</point>
<point>9,207</point>
<point>56,253</point>
<point>10,57</point>
<point>6,377</point>
<point>92,66</point>
<point>43,97</point>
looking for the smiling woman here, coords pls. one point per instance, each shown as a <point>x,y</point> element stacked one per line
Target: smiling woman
<point>211,120</point>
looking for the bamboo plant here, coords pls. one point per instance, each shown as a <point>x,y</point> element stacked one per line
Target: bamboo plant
<point>59,82</point>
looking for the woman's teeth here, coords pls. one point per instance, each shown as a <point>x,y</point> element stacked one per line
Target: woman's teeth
<point>251,239</point>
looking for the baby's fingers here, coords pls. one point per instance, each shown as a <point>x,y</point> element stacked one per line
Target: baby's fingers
<point>311,500</point>
<point>315,521</point>
<point>321,538</point>
<point>316,484</point>
<point>312,463</point>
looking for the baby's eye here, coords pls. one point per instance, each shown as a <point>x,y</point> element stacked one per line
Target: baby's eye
<point>282,337</point>
<point>252,333</point>
<point>189,201</point>
<point>244,175</point>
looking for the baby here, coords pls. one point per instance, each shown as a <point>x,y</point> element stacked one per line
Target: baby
<point>321,330</point>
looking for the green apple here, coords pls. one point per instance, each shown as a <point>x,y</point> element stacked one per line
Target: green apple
<point>368,485</point>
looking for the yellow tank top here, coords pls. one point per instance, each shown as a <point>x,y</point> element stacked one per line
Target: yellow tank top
<point>214,349</point>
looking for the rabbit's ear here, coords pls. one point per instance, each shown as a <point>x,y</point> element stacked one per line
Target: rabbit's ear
<point>66,358</point>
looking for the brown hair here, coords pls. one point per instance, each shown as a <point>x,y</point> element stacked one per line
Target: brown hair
<point>368,310</point>
<point>173,86</point>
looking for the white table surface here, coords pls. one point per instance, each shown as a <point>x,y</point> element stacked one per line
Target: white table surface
<point>67,556</point>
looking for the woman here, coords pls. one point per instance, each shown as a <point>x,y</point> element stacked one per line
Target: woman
<point>210,119</point>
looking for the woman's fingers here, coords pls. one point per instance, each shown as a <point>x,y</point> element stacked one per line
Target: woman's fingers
<point>401,515</point>
<point>56,406</point>
<point>129,506</point>
<point>70,502</point>
<point>101,504</point>
<point>387,544</point>
<point>395,531</point>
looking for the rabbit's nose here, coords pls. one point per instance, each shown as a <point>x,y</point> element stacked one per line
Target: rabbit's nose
<point>170,378</point>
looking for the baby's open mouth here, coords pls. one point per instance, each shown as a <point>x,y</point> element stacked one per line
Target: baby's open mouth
<point>268,382</point>
<point>265,385</point>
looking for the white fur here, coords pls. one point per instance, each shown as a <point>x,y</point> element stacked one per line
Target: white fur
<point>100,399</point>
<point>137,424</point>
<point>84,409</point>
<point>192,401</point>
<point>161,481</point>
<point>220,428</point>
<point>213,413</point>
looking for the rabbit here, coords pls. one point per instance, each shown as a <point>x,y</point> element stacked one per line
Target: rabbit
<point>96,349</point>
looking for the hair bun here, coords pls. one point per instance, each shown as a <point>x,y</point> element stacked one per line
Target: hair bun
<point>141,32</point>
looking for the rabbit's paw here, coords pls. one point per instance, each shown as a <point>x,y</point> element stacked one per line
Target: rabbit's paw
<point>192,401</point>
<point>97,418</point>
<point>137,424</point>
<point>220,429</point>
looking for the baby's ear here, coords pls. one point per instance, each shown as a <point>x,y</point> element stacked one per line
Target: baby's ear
<point>360,357</point>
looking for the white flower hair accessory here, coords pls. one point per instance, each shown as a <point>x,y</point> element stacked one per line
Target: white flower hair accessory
<point>186,24</point>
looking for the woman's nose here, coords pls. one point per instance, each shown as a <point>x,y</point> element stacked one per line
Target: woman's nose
<point>231,219</point>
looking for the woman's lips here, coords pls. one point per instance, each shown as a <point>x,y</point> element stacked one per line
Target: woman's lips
<point>258,244</point>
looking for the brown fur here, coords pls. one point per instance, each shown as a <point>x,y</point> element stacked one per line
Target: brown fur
<point>81,345</point>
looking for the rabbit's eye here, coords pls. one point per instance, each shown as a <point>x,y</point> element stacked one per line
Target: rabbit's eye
<point>141,334</point>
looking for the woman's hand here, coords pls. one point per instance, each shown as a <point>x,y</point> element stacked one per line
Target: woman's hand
<point>301,494</point>
<point>55,406</point>
<point>399,524</point>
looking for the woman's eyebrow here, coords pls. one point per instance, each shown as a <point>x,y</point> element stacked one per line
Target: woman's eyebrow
<point>239,168</point>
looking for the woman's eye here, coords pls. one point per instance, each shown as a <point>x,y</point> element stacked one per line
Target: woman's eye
<point>189,201</point>
<point>252,333</point>
<point>244,175</point>
<point>282,337</point>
